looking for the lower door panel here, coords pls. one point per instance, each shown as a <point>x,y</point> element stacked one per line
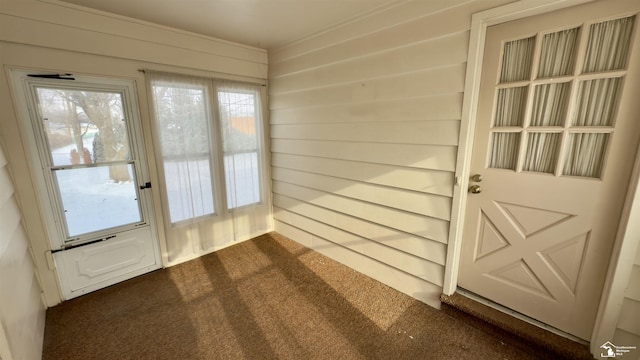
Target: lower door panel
<point>94,266</point>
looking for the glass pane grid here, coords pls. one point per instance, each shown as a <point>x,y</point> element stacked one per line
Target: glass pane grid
<point>549,129</point>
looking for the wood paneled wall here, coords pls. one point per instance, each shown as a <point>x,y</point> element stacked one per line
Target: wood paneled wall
<point>22,311</point>
<point>365,122</point>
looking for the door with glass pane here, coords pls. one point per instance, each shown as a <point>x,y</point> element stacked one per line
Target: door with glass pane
<point>93,179</point>
<point>555,141</point>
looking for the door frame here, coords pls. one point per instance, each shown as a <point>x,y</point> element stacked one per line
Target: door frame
<point>628,237</point>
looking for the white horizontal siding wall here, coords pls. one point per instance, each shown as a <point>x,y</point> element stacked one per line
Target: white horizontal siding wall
<point>365,121</point>
<point>22,312</point>
<point>627,332</point>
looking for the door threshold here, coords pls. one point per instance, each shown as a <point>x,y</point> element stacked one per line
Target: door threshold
<point>477,298</point>
<point>513,327</point>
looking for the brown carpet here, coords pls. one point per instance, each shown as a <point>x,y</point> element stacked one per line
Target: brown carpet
<point>517,332</point>
<point>268,298</point>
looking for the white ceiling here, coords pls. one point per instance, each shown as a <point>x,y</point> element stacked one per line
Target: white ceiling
<point>266,24</point>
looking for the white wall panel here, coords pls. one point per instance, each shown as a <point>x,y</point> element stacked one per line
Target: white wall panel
<point>422,180</point>
<point>64,26</point>
<point>411,264</point>
<point>443,132</point>
<point>365,125</point>
<point>633,289</point>
<point>411,244</point>
<point>627,332</point>
<point>630,315</point>
<point>409,155</point>
<point>427,227</point>
<point>21,308</point>
<point>384,18</point>
<point>436,107</point>
<point>443,23</point>
<point>395,278</point>
<point>443,80</point>
<point>411,201</point>
<point>433,53</point>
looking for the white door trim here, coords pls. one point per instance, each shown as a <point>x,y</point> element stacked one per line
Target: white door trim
<point>628,238</point>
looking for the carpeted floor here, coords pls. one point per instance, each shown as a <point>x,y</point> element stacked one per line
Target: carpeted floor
<point>268,298</point>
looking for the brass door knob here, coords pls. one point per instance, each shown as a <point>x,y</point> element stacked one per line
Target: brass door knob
<point>476,177</point>
<point>475,189</point>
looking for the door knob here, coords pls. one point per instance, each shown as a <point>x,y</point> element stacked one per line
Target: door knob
<point>476,177</point>
<point>475,189</point>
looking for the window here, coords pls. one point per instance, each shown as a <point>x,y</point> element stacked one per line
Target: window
<point>209,135</point>
<point>560,121</point>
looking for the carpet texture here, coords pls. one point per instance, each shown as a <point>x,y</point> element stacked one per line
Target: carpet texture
<point>267,298</point>
<point>517,332</point>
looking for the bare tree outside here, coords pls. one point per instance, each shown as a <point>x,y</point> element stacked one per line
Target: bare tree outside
<point>91,123</point>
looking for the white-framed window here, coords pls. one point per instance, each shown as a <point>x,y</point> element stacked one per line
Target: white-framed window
<point>209,137</point>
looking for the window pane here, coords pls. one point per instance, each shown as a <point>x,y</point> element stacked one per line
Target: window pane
<point>550,104</point>
<point>238,110</point>
<point>558,53</point>
<point>517,59</point>
<point>542,152</point>
<point>189,187</point>
<point>504,150</point>
<point>585,155</point>
<point>84,127</point>
<point>182,117</point>
<point>243,179</point>
<point>596,102</point>
<point>608,45</point>
<point>93,202</point>
<point>183,121</point>
<point>511,106</point>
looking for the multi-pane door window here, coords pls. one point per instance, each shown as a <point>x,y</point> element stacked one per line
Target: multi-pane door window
<point>209,135</point>
<point>557,97</point>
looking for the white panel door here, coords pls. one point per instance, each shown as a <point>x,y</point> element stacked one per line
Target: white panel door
<point>555,140</point>
<point>87,154</point>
